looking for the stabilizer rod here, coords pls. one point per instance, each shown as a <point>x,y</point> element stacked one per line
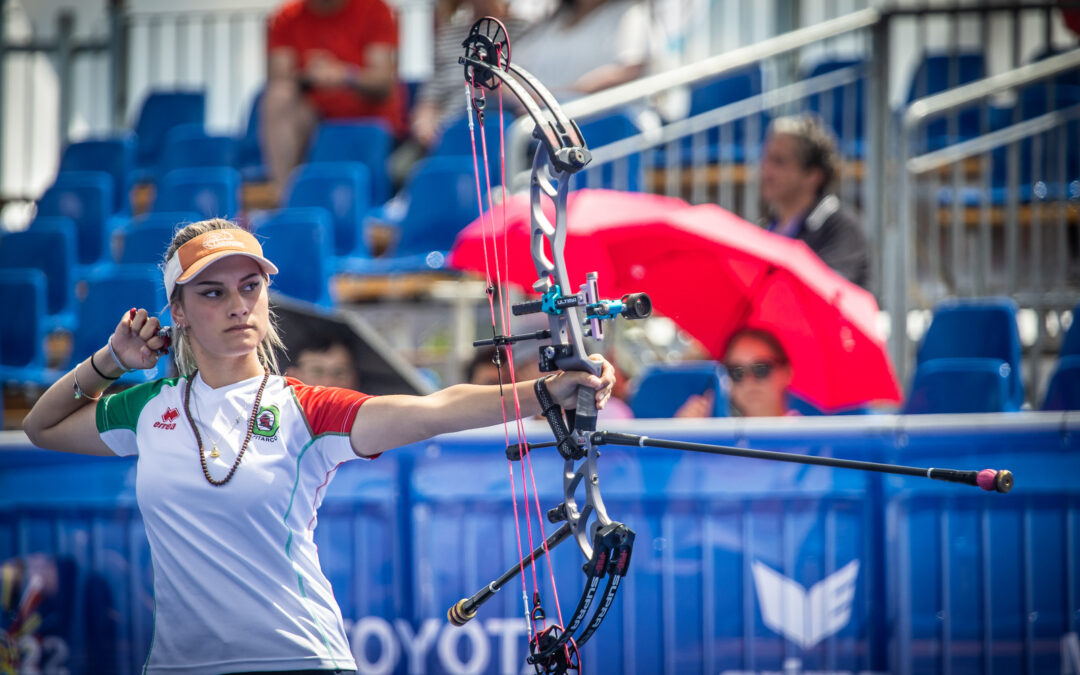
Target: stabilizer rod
<point>465,609</point>
<point>990,480</point>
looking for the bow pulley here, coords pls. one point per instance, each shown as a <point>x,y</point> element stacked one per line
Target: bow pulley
<point>488,43</point>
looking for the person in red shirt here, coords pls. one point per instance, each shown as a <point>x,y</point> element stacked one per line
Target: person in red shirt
<point>326,59</point>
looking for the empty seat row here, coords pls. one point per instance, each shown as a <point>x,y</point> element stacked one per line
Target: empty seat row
<point>968,362</point>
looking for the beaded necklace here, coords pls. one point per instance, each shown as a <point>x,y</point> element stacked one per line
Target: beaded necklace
<point>198,437</point>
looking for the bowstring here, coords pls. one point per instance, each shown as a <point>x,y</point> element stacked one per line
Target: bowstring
<point>504,315</point>
<point>484,215</point>
<point>487,274</point>
<point>504,301</point>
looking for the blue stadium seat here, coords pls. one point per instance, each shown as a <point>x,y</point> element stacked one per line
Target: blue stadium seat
<point>299,242</point>
<point>86,198</point>
<point>249,155</point>
<point>622,174</point>
<point>962,385</point>
<point>160,112</point>
<point>343,189</point>
<point>1070,344</point>
<point>210,192</point>
<point>115,156</point>
<point>144,239</point>
<point>22,295</point>
<point>731,145</point>
<point>977,328</point>
<point>934,75</point>
<point>366,141</point>
<point>47,245</point>
<point>440,201</point>
<point>662,388</point>
<point>454,140</point>
<point>849,125</point>
<point>188,146</point>
<point>110,291</point>
<point>1063,391</point>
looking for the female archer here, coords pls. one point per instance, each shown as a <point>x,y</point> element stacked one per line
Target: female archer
<point>232,459</point>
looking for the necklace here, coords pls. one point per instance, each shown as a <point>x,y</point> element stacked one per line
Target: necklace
<point>198,437</point>
<point>209,429</point>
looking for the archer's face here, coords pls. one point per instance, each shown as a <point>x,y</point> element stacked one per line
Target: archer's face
<point>226,308</point>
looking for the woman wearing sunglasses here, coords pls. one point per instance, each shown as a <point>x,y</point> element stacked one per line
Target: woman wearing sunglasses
<point>233,459</point>
<point>760,374</point>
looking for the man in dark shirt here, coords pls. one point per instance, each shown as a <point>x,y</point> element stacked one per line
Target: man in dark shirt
<point>797,172</point>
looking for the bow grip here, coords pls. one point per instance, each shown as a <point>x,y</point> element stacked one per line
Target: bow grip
<point>585,413</point>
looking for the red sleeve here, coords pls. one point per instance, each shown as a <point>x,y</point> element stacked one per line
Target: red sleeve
<point>280,28</point>
<point>329,410</point>
<point>382,23</point>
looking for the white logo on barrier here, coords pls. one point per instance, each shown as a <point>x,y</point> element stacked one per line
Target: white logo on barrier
<point>805,617</point>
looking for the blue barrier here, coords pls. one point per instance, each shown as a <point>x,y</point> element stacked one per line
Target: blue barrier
<point>741,566</point>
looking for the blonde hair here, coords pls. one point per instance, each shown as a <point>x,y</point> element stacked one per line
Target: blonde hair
<point>182,350</point>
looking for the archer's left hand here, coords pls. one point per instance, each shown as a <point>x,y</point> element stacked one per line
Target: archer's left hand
<point>563,387</point>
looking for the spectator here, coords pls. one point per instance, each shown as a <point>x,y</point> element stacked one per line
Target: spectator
<point>600,43</point>
<point>441,98</point>
<point>797,172</point>
<point>327,59</point>
<point>760,373</point>
<point>325,361</point>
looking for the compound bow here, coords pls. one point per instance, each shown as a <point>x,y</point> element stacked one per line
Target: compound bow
<point>606,544</point>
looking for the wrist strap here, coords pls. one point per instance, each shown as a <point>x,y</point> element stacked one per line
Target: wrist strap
<point>567,446</point>
<point>98,370</point>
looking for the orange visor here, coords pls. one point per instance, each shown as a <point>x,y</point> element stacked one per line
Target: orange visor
<point>194,256</point>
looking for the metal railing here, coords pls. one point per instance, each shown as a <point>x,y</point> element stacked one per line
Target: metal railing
<point>89,79</point>
<point>989,256</point>
<point>883,44</point>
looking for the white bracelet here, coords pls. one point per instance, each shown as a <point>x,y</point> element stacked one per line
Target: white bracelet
<point>119,363</point>
<point>79,393</point>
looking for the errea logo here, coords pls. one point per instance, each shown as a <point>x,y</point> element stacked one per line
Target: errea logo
<point>168,419</point>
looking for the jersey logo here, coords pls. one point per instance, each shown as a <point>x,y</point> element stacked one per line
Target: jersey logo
<point>266,421</point>
<point>168,419</point>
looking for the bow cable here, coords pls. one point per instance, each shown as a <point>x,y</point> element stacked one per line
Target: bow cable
<point>536,614</point>
<point>504,300</point>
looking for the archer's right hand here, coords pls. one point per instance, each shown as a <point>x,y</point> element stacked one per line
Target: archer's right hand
<point>137,341</point>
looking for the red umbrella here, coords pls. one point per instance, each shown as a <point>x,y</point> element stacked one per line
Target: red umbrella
<point>587,212</point>
<point>714,273</point>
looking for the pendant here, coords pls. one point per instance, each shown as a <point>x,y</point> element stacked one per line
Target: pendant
<point>214,454</point>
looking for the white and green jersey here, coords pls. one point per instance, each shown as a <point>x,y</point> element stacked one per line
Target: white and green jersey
<point>237,582</point>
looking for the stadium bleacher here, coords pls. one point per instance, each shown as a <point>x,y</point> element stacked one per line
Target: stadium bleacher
<point>176,170</point>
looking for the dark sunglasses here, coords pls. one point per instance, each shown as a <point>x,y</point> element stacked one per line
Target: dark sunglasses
<point>760,370</point>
